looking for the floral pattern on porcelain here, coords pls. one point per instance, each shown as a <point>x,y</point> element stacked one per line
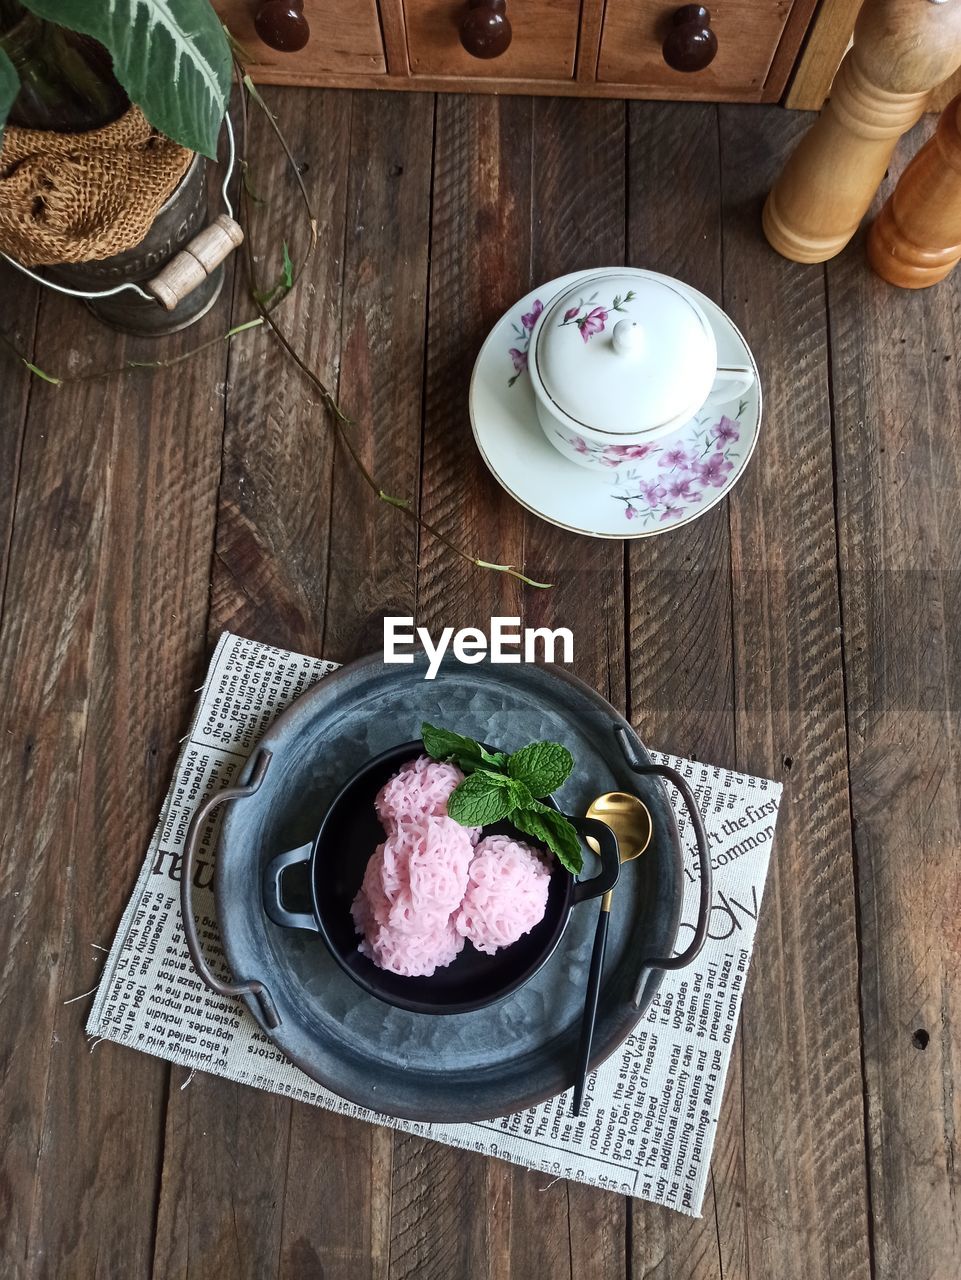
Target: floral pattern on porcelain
<point>670,480</point>
<point>608,455</point>
<point>700,458</point>
<point>588,318</point>
<point>591,319</point>
<point>518,353</point>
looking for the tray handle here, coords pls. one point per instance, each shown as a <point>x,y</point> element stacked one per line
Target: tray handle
<point>268,1010</point>
<point>703,854</point>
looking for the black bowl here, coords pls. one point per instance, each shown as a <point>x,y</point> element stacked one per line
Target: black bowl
<point>336,861</point>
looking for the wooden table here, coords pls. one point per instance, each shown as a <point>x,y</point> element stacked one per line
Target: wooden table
<point>807,629</point>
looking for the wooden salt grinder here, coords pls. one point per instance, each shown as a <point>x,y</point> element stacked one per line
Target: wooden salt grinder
<point>902,50</point>
<point>916,238</point>
<point>195,261</point>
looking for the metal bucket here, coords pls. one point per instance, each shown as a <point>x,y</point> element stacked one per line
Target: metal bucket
<point>179,219</point>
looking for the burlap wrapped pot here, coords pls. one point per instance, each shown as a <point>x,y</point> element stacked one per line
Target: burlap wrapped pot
<point>81,197</point>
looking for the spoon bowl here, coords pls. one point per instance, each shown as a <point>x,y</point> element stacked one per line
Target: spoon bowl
<point>628,818</point>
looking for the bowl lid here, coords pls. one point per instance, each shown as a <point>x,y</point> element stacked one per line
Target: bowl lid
<point>625,352</point>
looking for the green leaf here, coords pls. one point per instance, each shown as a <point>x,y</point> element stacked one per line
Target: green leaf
<point>444,744</point>
<point>542,767</point>
<point>9,87</point>
<point>554,830</point>
<point>248,184</point>
<point>284,284</point>
<point>171,56</point>
<point>47,377</point>
<point>513,573</point>
<point>402,503</point>
<point>521,798</point>
<point>481,799</point>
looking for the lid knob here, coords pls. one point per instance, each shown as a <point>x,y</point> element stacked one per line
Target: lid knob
<point>628,338</point>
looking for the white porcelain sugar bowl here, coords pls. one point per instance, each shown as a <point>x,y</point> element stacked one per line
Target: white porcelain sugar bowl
<point>620,359</point>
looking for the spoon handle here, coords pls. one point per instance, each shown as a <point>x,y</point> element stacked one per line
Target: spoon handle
<point>590,1005</point>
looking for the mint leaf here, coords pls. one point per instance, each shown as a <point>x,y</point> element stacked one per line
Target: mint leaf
<point>554,830</point>
<point>444,744</point>
<point>521,798</point>
<point>481,799</point>
<point>542,767</point>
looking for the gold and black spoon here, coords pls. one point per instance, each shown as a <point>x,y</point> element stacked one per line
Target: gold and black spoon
<point>630,821</point>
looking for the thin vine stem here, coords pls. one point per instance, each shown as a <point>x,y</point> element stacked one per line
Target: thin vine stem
<point>339,417</point>
<point>97,375</point>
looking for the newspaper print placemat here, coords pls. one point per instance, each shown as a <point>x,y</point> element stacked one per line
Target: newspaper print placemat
<point>650,1114</point>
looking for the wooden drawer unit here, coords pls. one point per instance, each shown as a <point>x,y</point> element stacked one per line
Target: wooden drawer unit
<point>748,33</point>
<point>543,41</point>
<point>589,48</point>
<point>345,40</point>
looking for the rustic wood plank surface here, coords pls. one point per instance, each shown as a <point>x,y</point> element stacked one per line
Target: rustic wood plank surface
<point>682,674</point>
<point>804,1177</point>
<point>896,413</point>
<point>806,628</point>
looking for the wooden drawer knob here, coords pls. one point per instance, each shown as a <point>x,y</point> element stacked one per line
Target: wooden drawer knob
<point>485,29</point>
<point>282,25</point>
<point>690,44</point>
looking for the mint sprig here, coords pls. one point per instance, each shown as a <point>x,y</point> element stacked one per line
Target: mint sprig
<point>499,787</point>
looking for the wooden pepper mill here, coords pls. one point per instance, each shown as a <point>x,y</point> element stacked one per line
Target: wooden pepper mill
<point>916,238</point>
<point>902,50</point>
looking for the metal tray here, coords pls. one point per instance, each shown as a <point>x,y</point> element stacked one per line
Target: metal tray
<point>460,1067</point>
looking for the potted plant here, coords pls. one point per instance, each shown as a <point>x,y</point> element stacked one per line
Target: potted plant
<point>109,111</point>
<point>72,69</point>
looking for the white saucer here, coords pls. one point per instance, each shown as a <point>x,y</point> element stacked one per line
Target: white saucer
<point>679,477</point>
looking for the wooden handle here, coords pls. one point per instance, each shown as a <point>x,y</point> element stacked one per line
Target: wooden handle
<point>485,29</point>
<point>690,44</point>
<point>902,50</point>
<point>195,261</point>
<point>281,25</point>
<point>916,238</point>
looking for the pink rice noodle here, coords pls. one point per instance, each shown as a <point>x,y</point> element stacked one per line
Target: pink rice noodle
<point>426,888</point>
<point>419,789</point>
<point>413,884</point>
<point>506,893</point>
